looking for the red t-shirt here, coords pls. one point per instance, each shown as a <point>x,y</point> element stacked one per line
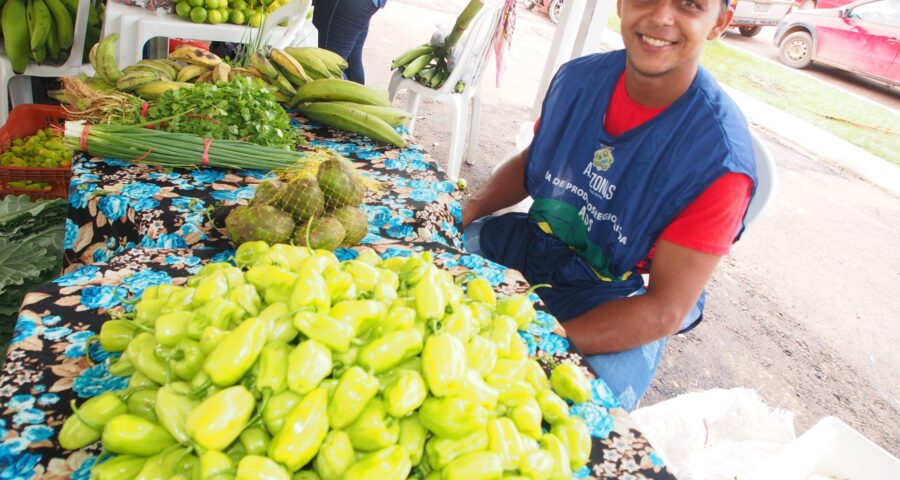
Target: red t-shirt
<point>711,221</point>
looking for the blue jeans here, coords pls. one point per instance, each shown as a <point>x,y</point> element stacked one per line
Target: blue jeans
<point>629,373</point>
<point>343,26</point>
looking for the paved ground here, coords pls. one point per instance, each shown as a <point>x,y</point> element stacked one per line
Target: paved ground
<point>803,310</point>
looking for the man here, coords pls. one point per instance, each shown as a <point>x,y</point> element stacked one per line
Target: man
<point>639,164</point>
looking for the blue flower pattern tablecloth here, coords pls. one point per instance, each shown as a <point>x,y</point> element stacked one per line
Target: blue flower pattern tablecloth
<point>133,226</point>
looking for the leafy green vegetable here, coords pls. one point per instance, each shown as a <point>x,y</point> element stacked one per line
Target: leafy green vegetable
<point>242,109</point>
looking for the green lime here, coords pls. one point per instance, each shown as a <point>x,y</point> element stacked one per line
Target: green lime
<point>213,4</point>
<point>196,3</point>
<point>214,17</point>
<point>198,14</point>
<point>239,5</point>
<point>183,9</point>
<point>237,17</point>
<point>256,20</point>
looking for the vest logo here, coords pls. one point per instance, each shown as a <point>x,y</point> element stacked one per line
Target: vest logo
<point>603,158</point>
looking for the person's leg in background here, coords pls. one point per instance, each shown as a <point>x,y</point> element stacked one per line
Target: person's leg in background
<point>343,26</point>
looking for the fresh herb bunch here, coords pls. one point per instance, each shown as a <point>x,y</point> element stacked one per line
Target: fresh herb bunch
<point>241,109</point>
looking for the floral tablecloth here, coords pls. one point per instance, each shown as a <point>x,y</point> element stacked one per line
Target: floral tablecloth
<point>47,364</point>
<point>115,205</point>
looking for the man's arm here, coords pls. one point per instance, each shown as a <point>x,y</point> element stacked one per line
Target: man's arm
<point>506,187</point>
<point>677,277</point>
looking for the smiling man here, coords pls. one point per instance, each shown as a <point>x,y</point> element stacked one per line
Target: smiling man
<point>640,164</point>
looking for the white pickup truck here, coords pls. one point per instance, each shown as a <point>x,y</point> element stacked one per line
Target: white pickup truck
<point>751,15</point>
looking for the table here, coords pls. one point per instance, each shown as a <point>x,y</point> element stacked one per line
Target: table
<point>115,205</point>
<point>131,227</point>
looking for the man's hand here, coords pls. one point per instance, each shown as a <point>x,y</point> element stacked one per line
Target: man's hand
<point>506,187</point>
<point>677,277</point>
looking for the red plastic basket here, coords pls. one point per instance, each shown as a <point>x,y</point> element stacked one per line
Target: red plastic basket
<point>25,120</point>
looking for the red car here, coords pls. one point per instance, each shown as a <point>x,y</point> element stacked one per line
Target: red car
<point>861,37</point>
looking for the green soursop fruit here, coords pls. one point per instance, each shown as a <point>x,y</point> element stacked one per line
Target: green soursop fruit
<point>355,222</point>
<point>268,191</point>
<point>325,232</point>
<point>259,222</point>
<point>302,199</point>
<point>340,184</point>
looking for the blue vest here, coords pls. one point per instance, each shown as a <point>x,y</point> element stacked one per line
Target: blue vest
<point>610,197</point>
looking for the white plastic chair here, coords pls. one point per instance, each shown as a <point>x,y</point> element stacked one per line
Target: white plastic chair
<point>474,50</point>
<point>19,85</point>
<point>136,26</point>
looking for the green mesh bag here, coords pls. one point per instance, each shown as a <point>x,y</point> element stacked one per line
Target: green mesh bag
<point>317,205</point>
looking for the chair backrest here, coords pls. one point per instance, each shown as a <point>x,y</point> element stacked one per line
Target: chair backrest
<point>295,12</point>
<point>474,49</point>
<point>765,179</point>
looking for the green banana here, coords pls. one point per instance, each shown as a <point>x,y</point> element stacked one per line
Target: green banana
<point>190,72</point>
<point>353,120</point>
<point>155,89</point>
<point>65,24</point>
<point>145,67</point>
<point>39,54</point>
<point>334,89</point>
<point>418,64</point>
<point>283,84</point>
<point>262,63</point>
<point>439,78</point>
<point>290,67</point>
<point>133,80</point>
<point>162,65</point>
<point>41,23</point>
<point>312,64</point>
<point>15,35</point>
<point>53,48</point>
<point>172,63</point>
<point>105,57</point>
<point>71,6</point>
<point>330,58</point>
<point>392,116</point>
<point>411,55</point>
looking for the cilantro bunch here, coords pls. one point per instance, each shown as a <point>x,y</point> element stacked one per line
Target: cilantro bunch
<point>241,109</point>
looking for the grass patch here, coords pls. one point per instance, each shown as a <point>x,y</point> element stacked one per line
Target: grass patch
<point>822,105</point>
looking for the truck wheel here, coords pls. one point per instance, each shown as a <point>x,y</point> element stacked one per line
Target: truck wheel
<point>750,31</point>
<point>555,10</point>
<point>796,50</point>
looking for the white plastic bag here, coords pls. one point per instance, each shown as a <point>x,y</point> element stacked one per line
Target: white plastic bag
<point>715,434</point>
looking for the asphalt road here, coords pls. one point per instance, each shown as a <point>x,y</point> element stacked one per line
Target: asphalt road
<point>762,45</point>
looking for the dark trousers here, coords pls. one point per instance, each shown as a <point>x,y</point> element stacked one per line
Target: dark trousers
<point>343,26</point>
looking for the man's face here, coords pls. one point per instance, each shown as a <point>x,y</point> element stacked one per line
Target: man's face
<point>664,37</point>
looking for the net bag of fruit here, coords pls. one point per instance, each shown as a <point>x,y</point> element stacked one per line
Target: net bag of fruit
<point>319,209</point>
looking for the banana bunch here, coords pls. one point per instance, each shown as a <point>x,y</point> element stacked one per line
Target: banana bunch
<point>39,30</point>
<point>148,79</point>
<point>352,107</point>
<point>288,69</point>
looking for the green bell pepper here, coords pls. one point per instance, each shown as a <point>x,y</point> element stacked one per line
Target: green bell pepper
<point>502,333</point>
<point>142,403</point>
<point>213,286</point>
<point>405,394</point>
<point>118,467</point>
<point>309,293</point>
<point>308,364</point>
<point>248,252</point>
<point>173,407</point>
<point>273,365</point>
<point>391,463</point>
<point>116,334</point>
<point>562,467</point>
<point>478,391</point>
<point>335,334</point>
<point>412,438</point>
<point>277,409</point>
<point>246,297</point>
<point>212,337</point>
<point>186,359</point>
<point>362,315</point>
<point>146,310</point>
<point>216,313</point>
<point>265,277</point>
<point>133,435</point>
<point>373,429</point>
<point>519,307</point>
<point>527,418</point>
<point>365,276</point>
<point>536,465</point>
<point>511,369</point>
<point>444,364</point>
<point>142,353</point>
<point>504,440</point>
<point>460,324</point>
<point>475,466</point>
<point>441,451</point>
<point>570,382</point>
<point>304,431</point>
<point>512,392</point>
<point>237,353</point>
<point>399,318</point>
<point>281,325</point>
<point>390,350</point>
<point>481,354</point>
<point>353,392</point>
<point>255,440</point>
<point>86,423</point>
<point>335,456</point>
<point>553,408</point>
<point>452,417</point>
<point>340,284</point>
<point>574,435</point>
<point>431,296</point>
<point>256,467</point>
<point>220,418</point>
<point>480,290</point>
<point>121,367</point>
<point>536,376</point>
<point>214,464</point>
